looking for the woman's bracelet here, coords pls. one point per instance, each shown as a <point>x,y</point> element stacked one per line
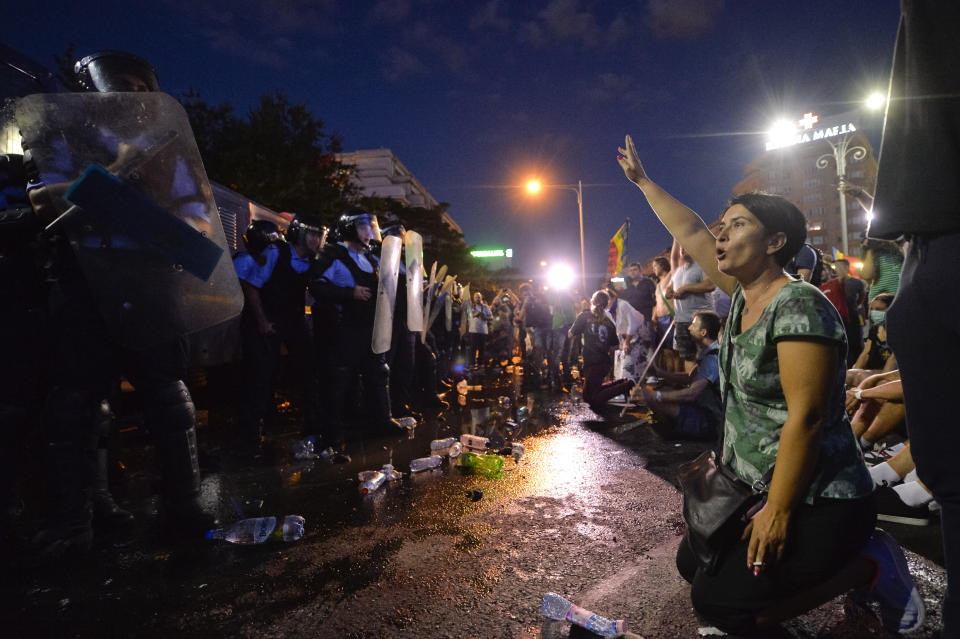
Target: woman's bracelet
<point>858,393</point>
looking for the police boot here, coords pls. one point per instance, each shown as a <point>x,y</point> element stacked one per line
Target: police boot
<point>71,426</point>
<point>173,420</point>
<point>106,513</point>
<point>381,410</point>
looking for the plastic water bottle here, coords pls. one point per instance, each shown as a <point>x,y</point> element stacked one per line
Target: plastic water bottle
<point>257,530</point>
<point>503,401</point>
<point>523,414</point>
<point>304,448</point>
<point>449,447</point>
<point>556,607</point>
<point>442,444</point>
<point>517,450</point>
<point>407,422</point>
<point>490,466</point>
<point>425,463</point>
<point>371,480</point>
<point>474,442</point>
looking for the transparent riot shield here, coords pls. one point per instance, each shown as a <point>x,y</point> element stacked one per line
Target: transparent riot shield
<point>124,178</point>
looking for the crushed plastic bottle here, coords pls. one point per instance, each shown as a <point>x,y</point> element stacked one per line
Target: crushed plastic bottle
<point>503,401</point>
<point>523,414</point>
<point>425,463</point>
<point>474,443</point>
<point>304,448</point>
<point>258,530</point>
<point>371,480</point>
<point>517,450</point>
<point>407,422</point>
<point>560,609</point>
<point>449,447</point>
<point>490,466</point>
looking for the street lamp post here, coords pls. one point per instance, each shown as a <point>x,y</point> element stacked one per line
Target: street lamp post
<point>533,186</point>
<point>839,154</point>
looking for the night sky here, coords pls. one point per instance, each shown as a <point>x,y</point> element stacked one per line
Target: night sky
<point>475,97</point>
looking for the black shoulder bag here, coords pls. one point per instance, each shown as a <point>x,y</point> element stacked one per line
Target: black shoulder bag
<point>716,503</point>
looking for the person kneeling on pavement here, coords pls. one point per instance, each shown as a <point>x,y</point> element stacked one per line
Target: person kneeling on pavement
<point>599,340</point>
<point>695,410</point>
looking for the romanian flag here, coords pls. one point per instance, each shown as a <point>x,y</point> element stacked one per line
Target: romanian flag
<point>617,253</point>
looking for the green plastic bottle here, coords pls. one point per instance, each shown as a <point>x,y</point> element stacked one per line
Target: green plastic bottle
<point>490,466</point>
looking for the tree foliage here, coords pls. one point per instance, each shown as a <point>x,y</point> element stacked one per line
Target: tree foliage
<point>278,155</point>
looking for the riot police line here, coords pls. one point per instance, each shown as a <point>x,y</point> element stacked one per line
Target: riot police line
<point>113,259</point>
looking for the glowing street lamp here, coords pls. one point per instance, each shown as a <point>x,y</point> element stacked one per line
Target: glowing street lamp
<point>876,100</point>
<point>534,186</point>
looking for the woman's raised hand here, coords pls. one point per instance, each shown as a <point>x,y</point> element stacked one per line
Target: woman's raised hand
<point>630,162</point>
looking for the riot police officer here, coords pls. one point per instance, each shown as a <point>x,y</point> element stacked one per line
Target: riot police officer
<point>345,294</point>
<point>273,276</point>
<point>94,341</point>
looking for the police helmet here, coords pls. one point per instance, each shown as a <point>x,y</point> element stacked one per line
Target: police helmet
<point>349,222</point>
<point>300,225</point>
<point>261,234</point>
<point>109,71</point>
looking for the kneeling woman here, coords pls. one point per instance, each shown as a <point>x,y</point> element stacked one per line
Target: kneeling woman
<point>599,340</point>
<point>782,371</point>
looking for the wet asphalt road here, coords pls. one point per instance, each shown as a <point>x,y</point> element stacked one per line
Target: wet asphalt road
<point>590,512</point>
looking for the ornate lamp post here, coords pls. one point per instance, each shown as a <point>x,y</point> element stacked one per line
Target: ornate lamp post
<point>840,149</point>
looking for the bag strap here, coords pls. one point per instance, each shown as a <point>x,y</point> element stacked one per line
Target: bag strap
<point>764,482</point>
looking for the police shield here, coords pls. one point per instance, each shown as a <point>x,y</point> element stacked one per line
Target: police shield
<point>123,174</point>
<point>413,251</point>
<point>386,294</point>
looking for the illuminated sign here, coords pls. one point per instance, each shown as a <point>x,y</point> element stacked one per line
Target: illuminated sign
<point>788,135</point>
<point>492,253</point>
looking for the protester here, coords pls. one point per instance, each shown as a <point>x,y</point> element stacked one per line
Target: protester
<point>558,345</point>
<point>639,291</point>
<point>693,411</point>
<point>917,196</point>
<point>599,337</point>
<point>688,289</point>
<point>848,295</point>
<point>663,313</point>
<point>479,328</point>
<point>781,358</point>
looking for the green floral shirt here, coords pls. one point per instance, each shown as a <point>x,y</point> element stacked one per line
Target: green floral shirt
<point>756,408</point>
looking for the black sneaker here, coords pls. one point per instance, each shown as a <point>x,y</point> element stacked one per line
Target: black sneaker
<point>891,508</point>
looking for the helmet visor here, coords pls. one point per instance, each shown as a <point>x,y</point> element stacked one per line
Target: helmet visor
<point>113,73</point>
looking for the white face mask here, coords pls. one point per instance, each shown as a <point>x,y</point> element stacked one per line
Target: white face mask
<point>878,317</point>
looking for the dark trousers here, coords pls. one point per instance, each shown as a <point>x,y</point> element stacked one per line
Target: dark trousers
<point>822,539</point>
<point>558,352</point>
<point>478,349</point>
<point>595,392</point>
<point>924,330</point>
<point>262,359</point>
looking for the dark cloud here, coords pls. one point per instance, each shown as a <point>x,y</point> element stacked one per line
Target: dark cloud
<point>682,19</point>
<point>401,64</point>
<point>390,10</point>
<point>488,17</point>
<point>565,21</point>
<point>261,31</point>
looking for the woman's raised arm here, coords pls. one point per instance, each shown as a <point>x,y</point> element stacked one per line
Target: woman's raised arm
<point>685,225</point>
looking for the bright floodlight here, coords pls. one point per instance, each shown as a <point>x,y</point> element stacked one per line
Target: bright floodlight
<point>543,263</point>
<point>782,133</point>
<point>560,276</point>
<point>876,100</point>
<point>533,186</point>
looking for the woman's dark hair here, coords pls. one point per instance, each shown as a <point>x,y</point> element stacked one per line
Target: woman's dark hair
<point>664,263</point>
<point>598,303</point>
<point>778,215</point>
<point>884,298</point>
